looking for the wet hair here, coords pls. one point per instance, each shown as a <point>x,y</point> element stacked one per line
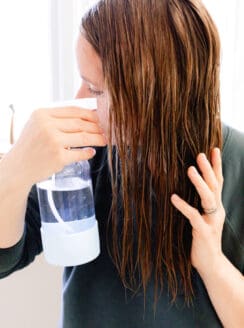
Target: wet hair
<point>160,63</point>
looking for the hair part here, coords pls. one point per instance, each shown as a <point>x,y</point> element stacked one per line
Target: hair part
<point>161,68</point>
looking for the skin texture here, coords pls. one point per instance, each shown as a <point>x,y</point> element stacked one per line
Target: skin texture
<point>92,80</point>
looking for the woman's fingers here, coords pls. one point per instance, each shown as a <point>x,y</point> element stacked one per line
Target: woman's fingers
<point>69,125</point>
<point>208,198</point>
<point>217,165</point>
<point>207,172</point>
<point>82,139</point>
<point>77,155</point>
<point>76,127</point>
<point>212,173</point>
<point>207,228</point>
<point>191,213</point>
<point>208,186</point>
<point>74,112</point>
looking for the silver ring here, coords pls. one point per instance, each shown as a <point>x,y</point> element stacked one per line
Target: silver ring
<point>210,210</point>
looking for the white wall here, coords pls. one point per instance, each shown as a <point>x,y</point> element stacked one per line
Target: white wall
<point>31,298</point>
<point>228,15</point>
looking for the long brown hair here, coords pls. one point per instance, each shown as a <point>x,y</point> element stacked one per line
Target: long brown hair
<point>161,67</point>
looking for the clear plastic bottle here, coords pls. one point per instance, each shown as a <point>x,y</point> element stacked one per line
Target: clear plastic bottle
<point>69,227</point>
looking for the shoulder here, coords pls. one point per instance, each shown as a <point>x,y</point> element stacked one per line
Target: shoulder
<point>233,161</point>
<point>233,188</point>
<point>233,144</point>
<point>233,158</point>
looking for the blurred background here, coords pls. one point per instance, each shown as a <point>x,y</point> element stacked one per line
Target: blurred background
<point>38,66</point>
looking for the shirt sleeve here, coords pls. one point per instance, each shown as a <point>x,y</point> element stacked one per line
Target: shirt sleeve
<point>233,197</point>
<point>23,253</point>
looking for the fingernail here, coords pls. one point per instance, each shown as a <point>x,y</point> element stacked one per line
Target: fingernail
<point>217,150</point>
<point>193,169</point>
<point>203,156</point>
<point>92,151</point>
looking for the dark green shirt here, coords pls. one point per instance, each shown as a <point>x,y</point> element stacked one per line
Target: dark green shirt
<point>93,294</point>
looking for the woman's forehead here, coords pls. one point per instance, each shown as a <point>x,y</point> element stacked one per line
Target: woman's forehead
<point>89,63</point>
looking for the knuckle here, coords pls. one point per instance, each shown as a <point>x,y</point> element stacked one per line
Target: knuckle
<point>215,186</point>
<point>37,114</point>
<point>209,202</point>
<point>46,127</point>
<point>79,124</point>
<point>41,122</point>
<point>84,138</point>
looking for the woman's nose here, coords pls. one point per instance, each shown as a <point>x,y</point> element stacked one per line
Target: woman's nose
<point>82,92</point>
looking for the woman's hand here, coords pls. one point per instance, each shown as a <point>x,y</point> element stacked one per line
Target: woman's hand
<point>43,147</point>
<point>206,228</point>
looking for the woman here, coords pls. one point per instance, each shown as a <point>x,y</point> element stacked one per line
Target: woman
<point>171,246</point>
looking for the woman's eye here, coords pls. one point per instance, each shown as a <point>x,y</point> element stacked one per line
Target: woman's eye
<point>95,92</point>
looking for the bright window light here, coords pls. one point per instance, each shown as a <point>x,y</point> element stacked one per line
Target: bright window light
<point>25,77</point>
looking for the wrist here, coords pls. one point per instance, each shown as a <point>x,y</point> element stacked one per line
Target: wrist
<point>11,174</point>
<point>215,267</point>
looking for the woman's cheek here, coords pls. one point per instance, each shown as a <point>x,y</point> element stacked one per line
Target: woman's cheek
<point>103,113</point>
